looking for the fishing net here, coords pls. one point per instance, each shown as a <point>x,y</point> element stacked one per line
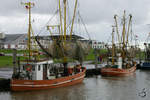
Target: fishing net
<point>71,49</point>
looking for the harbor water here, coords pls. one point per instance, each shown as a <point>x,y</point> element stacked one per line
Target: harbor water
<point>134,87</point>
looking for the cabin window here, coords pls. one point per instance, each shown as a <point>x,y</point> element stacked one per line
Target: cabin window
<point>23,67</point>
<point>49,66</point>
<point>39,68</point>
<point>33,68</point>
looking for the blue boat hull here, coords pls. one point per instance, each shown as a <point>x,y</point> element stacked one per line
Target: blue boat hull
<point>145,65</point>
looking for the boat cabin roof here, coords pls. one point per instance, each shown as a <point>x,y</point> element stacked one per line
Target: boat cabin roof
<point>36,62</point>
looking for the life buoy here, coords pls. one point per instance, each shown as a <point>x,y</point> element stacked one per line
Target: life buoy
<point>79,68</point>
<point>70,70</point>
<point>28,67</point>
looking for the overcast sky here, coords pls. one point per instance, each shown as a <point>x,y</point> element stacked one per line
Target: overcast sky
<point>97,15</point>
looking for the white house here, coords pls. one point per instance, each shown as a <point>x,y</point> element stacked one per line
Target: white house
<point>15,41</point>
<point>19,41</point>
<point>98,45</point>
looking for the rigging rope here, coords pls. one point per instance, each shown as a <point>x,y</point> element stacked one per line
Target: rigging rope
<point>84,26</point>
<point>48,22</point>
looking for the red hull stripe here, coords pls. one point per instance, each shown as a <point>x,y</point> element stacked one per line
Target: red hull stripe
<point>45,85</point>
<point>118,71</point>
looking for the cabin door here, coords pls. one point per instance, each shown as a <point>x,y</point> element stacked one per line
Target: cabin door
<point>44,71</point>
<point>8,46</point>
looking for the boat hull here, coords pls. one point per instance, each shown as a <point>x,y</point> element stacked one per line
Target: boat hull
<point>117,71</point>
<point>26,85</point>
<point>145,65</point>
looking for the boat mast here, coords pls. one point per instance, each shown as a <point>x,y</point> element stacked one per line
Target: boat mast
<point>73,19</point>
<point>29,31</point>
<point>65,21</point>
<point>61,27</point>
<point>113,51</point>
<point>123,36</point>
<point>29,6</point>
<point>115,17</point>
<point>65,4</point>
<point>129,27</point>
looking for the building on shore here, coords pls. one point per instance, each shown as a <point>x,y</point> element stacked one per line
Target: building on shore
<point>98,45</point>
<point>13,41</point>
<point>2,37</point>
<point>19,41</point>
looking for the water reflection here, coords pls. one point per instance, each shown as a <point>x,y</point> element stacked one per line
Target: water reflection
<point>66,93</point>
<point>93,88</point>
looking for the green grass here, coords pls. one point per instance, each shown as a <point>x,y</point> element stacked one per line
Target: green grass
<point>141,55</point>
<point>91,55</point>
<point>6,61</point>
<point>1,79</point>
<point>6,51</point>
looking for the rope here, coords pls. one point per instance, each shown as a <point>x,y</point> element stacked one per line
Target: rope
<point>84,26</point>
<point>48,22</point>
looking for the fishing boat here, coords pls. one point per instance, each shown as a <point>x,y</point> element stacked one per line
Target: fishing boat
<point>145,64</point>
<point>118,71</point>
<point>121,62</point>
<point>37,74</point>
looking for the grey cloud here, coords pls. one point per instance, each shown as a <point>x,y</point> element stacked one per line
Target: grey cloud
<point>94,12</point>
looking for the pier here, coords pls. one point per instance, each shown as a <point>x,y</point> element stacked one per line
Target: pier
<point>4,84</point>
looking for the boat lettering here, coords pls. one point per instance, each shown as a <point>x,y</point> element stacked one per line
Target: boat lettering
<point>28,82</point>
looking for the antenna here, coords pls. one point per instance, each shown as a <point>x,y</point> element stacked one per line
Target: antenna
<point>28,4</point>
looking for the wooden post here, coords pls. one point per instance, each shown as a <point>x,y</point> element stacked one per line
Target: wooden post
<point>95,52</point>
<point>19,63</point>
<point>14,61</point>
<point>139,55</point>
